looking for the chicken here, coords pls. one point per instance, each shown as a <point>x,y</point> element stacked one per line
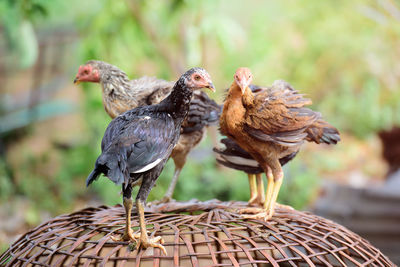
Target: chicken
<point>271,125</point>
<point>121,94</point>
<point>137,144</point>
<point>234,157</point>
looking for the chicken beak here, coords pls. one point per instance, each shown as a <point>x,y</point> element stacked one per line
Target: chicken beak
<point>76,81</point>
<point>211,87</point>
<point>243,87</point>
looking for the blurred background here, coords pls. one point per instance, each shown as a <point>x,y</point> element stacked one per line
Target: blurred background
<point>345,55</point>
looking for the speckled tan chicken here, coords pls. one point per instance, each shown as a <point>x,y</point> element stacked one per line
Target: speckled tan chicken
<point>269,126</point>
<point>121,94</point>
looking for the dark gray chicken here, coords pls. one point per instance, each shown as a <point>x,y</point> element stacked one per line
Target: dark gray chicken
<point>137,144</point>
<point>121,94</point>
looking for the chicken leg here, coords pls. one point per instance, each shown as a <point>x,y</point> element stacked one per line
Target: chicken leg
<point>275,191</point>
<point>274,185</point>
<point>261,198</point>
<point>128,204</point>
<point>144,241</point>
<point>270,186</point>
<point>260,189</point>
<point>253,189</point>
<point>148,182</point>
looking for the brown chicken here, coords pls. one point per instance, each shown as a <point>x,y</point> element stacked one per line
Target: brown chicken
<point>121,94</point>
<point>269,126</point>
<point>231,155</point>
<point>234,157</point>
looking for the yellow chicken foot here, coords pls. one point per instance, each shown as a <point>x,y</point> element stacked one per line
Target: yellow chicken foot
<point>128,233</point>
<point>256,213</point>
<point>269,206</point>
<point>252,210</point>
<point>144,241</point>
<point>263,216</point>
<point>255,210</point>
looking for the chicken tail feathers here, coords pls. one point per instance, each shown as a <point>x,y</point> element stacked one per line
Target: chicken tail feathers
<point>214,115</point>
<point>92,176</point>
<point>322,132</point>
<point>287,158</point>
<point>114,167</point>
<point>203,112</point>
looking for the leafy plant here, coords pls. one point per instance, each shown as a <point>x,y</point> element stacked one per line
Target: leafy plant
<point>342,54</point>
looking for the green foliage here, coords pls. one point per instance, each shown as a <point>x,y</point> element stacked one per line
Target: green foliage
<point>315,48</point>
<point>19,31</point>
<point>368,110</point>
<point>20,19</point>
<point>6,185</point>
<point>343,54</point>
<point>24,117</point>
<point>320,47</point>
<point>26,9</point>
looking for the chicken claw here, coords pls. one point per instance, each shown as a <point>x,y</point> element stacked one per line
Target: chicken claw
<point>263,216</point>
<point>252,210</point>
<point>256,213</point>
<point>255,210</point>
<point>254,201</point>
<point>155,242</point>
<point>127,236</point>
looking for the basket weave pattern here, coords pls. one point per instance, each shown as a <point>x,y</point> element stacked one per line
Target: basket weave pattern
<point>208,233</point>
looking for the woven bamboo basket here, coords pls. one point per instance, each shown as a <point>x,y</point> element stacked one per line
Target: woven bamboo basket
<point>196,233</point>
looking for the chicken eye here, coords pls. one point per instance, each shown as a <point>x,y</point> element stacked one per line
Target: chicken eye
<point>197,77</point>
<point>85,72</point>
